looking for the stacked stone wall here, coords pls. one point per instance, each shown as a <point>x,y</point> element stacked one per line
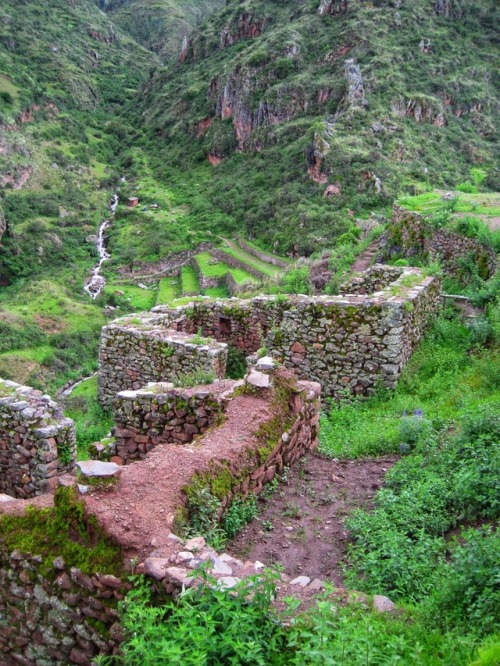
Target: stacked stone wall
<point>53,613</point>
<point>410,235</point>
<point>350,345</point>
<point>236,263</point>
<point>58,617</point>
<point>263,256</point>
<point>37,443</point>
<point>205,282</point>
<point>161,414</point>
<point>137,350</point>
<point>376,278</point>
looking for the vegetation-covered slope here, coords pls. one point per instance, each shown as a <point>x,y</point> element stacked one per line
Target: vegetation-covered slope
<point>65,69</point>
<point>306,108</point>
<point>160,25</point>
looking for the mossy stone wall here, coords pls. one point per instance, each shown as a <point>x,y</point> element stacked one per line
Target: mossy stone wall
<point>136,350</point>
<point>37,443</point>
<point>60,584</point>
<point>410,235</point>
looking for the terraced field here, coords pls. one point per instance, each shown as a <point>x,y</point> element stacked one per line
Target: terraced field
<point>175,290</point>
<point>212,268</point>
<point>237,252</point>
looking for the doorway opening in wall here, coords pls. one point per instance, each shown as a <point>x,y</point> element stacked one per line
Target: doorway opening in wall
<point>225,326</point>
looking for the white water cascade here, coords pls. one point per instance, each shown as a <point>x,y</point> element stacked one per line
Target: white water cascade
<point>96,282</point>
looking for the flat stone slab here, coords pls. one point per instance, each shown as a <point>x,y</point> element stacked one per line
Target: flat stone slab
<point>265,363</point>
<point>258,379</point>
<point>303,581</point>
<point>98,469</point>
<point>6,498</point>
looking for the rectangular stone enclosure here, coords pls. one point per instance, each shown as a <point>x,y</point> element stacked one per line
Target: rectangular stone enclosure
<point>349,343</point>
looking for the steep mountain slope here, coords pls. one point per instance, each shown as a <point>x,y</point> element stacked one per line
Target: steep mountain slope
<point>306,108</point>
<point>160,25</point>
<point>65,70</point>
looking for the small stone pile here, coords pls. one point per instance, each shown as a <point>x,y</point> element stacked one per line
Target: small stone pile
<point>37,443</point>
<point>178,572</point>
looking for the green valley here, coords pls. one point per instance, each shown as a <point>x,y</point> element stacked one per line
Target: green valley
<point>198,154</point>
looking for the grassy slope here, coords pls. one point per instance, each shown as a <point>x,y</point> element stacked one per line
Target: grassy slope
<point>160,25</point>
<point>70,70</point>
<point>286,70</point>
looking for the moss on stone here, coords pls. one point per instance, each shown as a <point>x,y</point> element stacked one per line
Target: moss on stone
<point>65,531</point>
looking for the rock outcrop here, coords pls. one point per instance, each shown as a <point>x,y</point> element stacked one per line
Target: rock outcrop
<point>3,223</point>
<point>332,7</point>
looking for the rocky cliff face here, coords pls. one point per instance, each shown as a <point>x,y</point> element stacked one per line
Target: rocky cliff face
<point>332,7</point>
<point>363,96</point>
<point>3,224</point>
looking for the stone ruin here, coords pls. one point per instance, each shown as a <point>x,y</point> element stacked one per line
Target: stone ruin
<point>241,434</point>
<point>37,443</point>
<point>228,438</point>
<point>411,235</point>
<point>349,343</point>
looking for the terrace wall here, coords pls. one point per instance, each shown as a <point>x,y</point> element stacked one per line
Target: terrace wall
<point>234,262</point>
<point>37,443</point>
<point>410,235</point>
<point>263,256</point>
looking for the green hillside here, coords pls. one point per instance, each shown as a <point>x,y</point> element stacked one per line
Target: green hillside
<point>160,25</point>
<point>307,109</point>
<point>65,71</point>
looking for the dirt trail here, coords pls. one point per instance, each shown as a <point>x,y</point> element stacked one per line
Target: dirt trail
<point>302,526</point>
<point>139,513</point>
<point>366,258</point>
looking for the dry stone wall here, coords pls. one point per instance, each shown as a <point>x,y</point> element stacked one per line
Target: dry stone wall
<point>263,256</point>
<point>37,443</point>
<point>161,414</point>
<point>348,343</point>
<point>136,350</point>
<point>410,235</point>
<point>376,278</point>
<point>60,616</point>
<point>353,344</point>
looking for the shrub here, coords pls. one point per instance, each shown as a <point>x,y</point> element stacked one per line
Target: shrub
<point>236,363</point>
<point>467,595</point>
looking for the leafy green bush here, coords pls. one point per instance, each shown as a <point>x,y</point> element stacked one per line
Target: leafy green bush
<point>241,512</point>
<point>467,594</point>
<point>397,547</point>
<point>467,188</point>
<point>206,626</point>
<point>236,367</point>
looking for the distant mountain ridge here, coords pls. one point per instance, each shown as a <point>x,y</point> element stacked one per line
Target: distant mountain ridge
<point>159,25</point>
<point>349,99</point>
